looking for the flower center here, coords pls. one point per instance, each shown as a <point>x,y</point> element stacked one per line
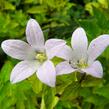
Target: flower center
<point>41,57</point>
<point>82,63</point>
<point>79,64</point>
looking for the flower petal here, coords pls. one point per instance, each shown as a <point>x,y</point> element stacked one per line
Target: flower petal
<point>23,70</point>
<point>79,43</point>
<point>18,49</point>
<point>53,46</point>
<point>64,68</point>
<point>95,70</point>
<point>47,74</point>
<point>34,34</point>
<point>65,53</point>
<point>97,46</point>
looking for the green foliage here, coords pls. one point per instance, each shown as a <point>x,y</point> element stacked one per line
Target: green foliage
<point>58,18</point>
<point>15,13</point>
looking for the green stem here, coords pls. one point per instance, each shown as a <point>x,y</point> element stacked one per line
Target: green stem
<point>82,77</point>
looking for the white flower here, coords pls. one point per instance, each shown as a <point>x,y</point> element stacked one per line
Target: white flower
<point>35,56</point>
<point>82,58</point>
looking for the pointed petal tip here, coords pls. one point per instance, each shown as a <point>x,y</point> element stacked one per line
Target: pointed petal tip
<point>51,85</point>
<point>23,70</point>
<point>79,29</point>
<point>100,75</point>
<point>12,81</point>
<point>79,43</point>
<point>94,70</point>
<point>18,49</point>
<point>97,47</point>
<point>3,44</point>
<point>34,34</point>
<point>46,74</point>
<point>96,76</point>
<point>31,20</point>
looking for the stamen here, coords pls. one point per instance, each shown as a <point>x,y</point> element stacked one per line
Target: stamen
<point>82,63</point>
<point>41,57</point>
<point>79,64</point>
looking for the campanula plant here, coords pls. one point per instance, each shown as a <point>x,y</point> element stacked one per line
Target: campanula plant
<point>80,57</point>
<point>35,55</point>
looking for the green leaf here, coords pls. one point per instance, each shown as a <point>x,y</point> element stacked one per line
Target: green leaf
<point>56,60</point>
<point>86,105</point>
<point>97,100</point>
<point>91,27</point>
<point>71,91</point>
<point>85,92</point>
<point>5,72</point>
<point>8,6</point>
<point>36,10</point>
<point>90,81</point>
<point>103,91</point>
<point>43,103</point>
<point>49,97</point>
<point>36,84</point>
<point>64,81</point>
<point>28,1</point>
<point>102,21</point>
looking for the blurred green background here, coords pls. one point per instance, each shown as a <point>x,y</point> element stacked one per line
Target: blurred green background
<point>58,19</point>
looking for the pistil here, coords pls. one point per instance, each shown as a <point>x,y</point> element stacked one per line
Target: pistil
<point>41,57</point>
<point>79,64</point>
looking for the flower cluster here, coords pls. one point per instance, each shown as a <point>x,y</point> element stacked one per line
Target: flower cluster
<point>36,55</point>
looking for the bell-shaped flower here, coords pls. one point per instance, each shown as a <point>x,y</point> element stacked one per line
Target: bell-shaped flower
<point>35,56</point>
<point>80,57</point>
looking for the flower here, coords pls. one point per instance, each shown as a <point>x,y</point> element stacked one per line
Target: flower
<point>82,58</point>
<point>35,56</point>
